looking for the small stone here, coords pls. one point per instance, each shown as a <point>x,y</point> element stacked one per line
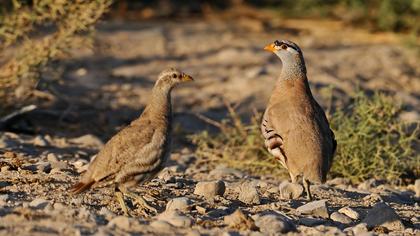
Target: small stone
<point>350,213</point>
<point>238,220</point>
<point>210,189</point>
<point>315,208</point>
<point>122,222</point>
<point>359,229</point>
<point>4,197</point>
<point>341,218</point>
<point>43,167</point>
<point>309,221</point>
<point>383,215</point>
<point>181,203</point>
<point>417,187</point>
<point>175,218</point>
<point>5,168</point>
<point>166,175</point>
<point>248,194</point>
<point>40,141</point>
<point>273,224</point>
<point>290,190</point>
<point>52,157</point>
<point>38,203</point>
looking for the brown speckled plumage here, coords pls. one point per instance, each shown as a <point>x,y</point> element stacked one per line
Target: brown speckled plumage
<point>138,152</point>
<point>294,126</point>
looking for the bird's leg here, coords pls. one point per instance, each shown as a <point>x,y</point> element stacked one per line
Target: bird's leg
<point>120,198</point>
<point>139,199</point>
<point>307,186</point>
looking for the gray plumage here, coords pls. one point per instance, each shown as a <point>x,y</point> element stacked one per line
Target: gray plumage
<point>294,126</point>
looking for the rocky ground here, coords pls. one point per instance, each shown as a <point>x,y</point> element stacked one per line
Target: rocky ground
<point>102,89</point>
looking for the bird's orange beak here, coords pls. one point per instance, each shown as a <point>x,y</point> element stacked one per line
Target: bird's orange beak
<point>186,78</point>
<point>270,47</point>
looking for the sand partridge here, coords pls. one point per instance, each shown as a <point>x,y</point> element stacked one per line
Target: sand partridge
<point>138,152</point>
<point>294,126</point>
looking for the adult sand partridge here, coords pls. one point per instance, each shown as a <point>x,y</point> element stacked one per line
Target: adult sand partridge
<point>294,126</point>
<point>138,152</point>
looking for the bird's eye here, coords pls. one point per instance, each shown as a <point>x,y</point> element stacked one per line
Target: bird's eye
<point>284,46</point>
<point>174,76</point>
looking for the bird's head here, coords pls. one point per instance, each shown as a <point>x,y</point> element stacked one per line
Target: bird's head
<point>290,55</point>
<point>171,77</point>
<point>285,50</point>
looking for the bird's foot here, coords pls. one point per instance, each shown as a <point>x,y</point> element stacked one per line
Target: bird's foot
<point>120,199</point>
<point>142,202</point>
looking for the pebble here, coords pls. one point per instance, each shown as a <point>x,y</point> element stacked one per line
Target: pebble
<point>248,194</point>
<point>210,189</point>
<point>315,208</point>
<point>359,229</point>
<point>38,203</point>
<point>40,141</point>
<point>273,224</point>
<point>290,190</point>
<point>341,218</point>
<point>238,220</point>
<point>383,215</point>
<point>52,157</point>
<point>182,204</point>
<point>175,218</point>
<point>122,222</point>
<point>43,167</point>
<point>166,175</point>
<point>309,221</point>
<point>350,212</point>
<point>417,188</point>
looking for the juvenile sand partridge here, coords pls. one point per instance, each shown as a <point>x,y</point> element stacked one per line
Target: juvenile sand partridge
<point>138,152</point>
<point>294,126</point>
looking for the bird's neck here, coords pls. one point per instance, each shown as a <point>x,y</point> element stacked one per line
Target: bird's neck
<point>160,104</point>
<point>293,69</point>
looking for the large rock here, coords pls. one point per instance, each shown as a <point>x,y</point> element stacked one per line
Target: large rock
<point>383,215</point>
<point>210,189</point>
<point>248,194</point>
<point>290,190</point>
<point>273,224</point>
<point>316,208</point>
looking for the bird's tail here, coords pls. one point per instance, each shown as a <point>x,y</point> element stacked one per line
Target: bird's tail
<point>80,187</point>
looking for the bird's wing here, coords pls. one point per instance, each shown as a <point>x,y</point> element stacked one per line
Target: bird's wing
<point>124,148</point>
<point>325,127</point>
<point>273,136</point>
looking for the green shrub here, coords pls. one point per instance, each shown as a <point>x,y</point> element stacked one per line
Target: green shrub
<point>69,21</point>
<point>372,142</point>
